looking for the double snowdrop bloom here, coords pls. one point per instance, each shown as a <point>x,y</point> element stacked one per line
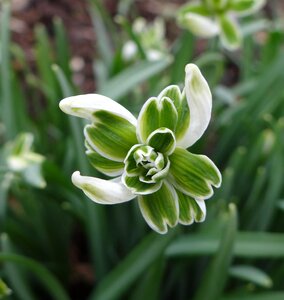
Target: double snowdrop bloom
<point>148,156</point>
<point>208,18</point>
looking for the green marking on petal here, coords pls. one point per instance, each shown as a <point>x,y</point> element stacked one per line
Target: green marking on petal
<point>180,102</point>
<point>160,208</point>
<point>110,135</point>
<point>193,174</point>
<point>156,113</point>
<point>162,140</point>
<point>138,187</point>
<point>189,210</point>
<point>230,32</point>
<point>105,165</point>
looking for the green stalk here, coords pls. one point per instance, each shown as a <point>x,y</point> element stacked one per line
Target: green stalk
<point>7,104</point>
<point>94,213</point>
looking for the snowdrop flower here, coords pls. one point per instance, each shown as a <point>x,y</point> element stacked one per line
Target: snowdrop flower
<point>23,162</point>
<point>208,18</point>
<point>151,37</point>
<point>148,156</point>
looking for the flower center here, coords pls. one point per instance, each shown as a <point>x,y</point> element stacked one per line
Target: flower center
<point>146,163</point>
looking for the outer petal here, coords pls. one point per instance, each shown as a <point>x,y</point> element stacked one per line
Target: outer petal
<point>230,34</point>
<point>84,106</point>
<point>156,113</point>
<point>110,135</point>
<point>199,25</point>
<point>199,100</point>
<point>190,210</point>
<point>194,174</point>
<point>102,191</point>
<point>246,7</point>
<point>161,208</point>
<point>104,165</point>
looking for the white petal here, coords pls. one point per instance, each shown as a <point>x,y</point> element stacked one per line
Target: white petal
<point>199,100</point>
<point>202,206</point>
<point>84,106</point>
<point>102,191</point>
<point>200,25</point>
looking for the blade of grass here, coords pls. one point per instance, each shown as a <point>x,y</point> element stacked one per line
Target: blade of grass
<point>5,78</point>
<point>125,81</point>
<point>260,296</point>
<point>95,217</point>
<point>47,279</point>
<point>248,244</point>
<point>215,277</point>
<point>251,274</point>
<point>122,277</point>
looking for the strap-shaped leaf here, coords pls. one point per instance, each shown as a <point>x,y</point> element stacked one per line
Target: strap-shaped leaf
<point>160,208</point>
<point>156,113</point>
<point>193,174</point>
<point>102,191</point>
<point>110,135</point>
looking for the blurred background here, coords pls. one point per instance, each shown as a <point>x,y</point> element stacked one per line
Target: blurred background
<point>57,244</point>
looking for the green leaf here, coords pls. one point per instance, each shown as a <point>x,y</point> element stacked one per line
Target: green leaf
<point>156,113</point>
<point>248,244</point>
<point>111,135</point>
<point>4,289</point>
<point>258,296</point>
<point>128,79</point>
<point>128,271</point>
<point>160,208</point>
<point>162,140</point>
<point>189,210</point>
<point>251,274</point>
<point>193,174</point>
<point>214,279</point>
<point>230,32</point>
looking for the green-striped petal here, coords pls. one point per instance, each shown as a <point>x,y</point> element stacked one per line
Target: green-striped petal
<point>162,140</point>
<point>199,100</point>
<point>138,187</point>
<point>156,113</point>
<point>110,135</point>
<point>85,106</point>
<point>193,174</point>
<point>230,32</point>
<point>246,7</point>
<point>105,165</point>
<point>195,17</point>
<point>190,210</point>
<point>180,102</point>
<point>160,209</point>
<point>102,191</point>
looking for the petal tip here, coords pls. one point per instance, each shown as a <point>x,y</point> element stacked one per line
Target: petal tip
<point>65,105</point>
